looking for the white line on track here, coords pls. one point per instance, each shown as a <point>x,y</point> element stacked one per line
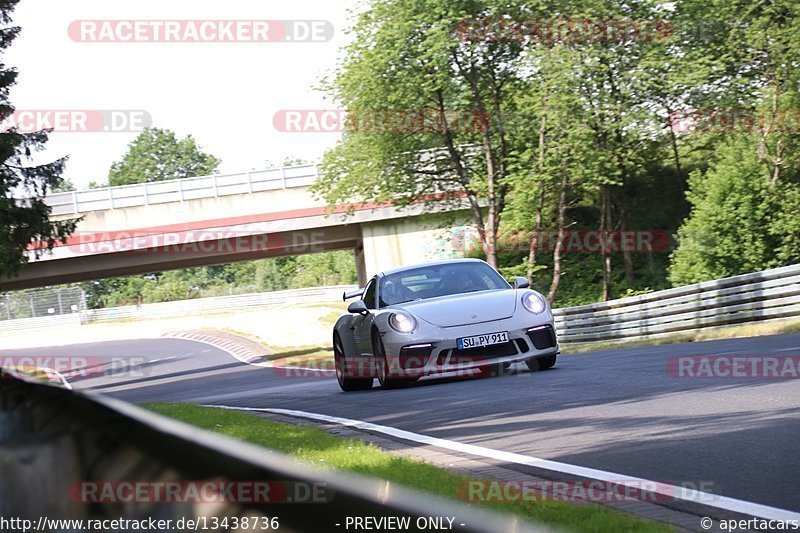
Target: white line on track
<point>692,495</point>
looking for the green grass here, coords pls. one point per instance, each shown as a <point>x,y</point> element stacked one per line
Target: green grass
<point>328,451</point>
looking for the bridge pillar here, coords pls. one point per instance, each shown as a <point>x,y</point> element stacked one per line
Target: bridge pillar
<point>361,267</point>
<point>397,242</point>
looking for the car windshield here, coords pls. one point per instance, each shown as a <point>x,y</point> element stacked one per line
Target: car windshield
<point>439,280</point>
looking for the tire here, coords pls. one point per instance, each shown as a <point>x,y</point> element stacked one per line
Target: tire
<point>541,363</point>
<point>379,352</point>
<point>347,384</point>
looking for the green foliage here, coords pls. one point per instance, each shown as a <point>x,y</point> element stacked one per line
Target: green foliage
<point>538,133</point>
<point>157,155</point>
<point>333,268</point>
<point>739,223</point>
<point>263,275</point>
<point>23,222</point>
<point>66,185</point>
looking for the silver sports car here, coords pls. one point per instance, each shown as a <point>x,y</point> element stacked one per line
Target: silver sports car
<point>436,318</point>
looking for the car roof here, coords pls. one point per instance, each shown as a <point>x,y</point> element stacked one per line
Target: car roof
<point>429,263</point>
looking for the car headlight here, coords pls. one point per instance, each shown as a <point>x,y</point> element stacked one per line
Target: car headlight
<point>402,322</point>
<point>533,302</point>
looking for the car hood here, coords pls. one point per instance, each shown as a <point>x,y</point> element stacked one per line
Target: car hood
<point>462,309</point>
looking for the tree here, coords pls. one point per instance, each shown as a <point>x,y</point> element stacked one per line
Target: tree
<point>745,206</point>
<point>158,155</point>
<point>66,185</point>
<point>23,221</point>
<point>739,223</point>
<point>288,161</point>
<point>555,160</point>
<point>428,107</point>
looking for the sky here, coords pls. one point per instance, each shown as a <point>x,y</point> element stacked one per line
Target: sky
<point>223,94</point>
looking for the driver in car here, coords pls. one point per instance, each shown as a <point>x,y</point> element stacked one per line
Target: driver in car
<point>458,282</point>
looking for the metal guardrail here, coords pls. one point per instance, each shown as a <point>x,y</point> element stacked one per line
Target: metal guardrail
<point>219,303</point>
<point>768,295</point>
<point>54,441</point>
<point>76,202</point>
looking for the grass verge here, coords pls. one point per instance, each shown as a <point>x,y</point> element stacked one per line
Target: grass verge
<point>328,451</point>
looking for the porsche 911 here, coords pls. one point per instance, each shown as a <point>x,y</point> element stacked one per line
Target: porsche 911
<point>437,318</point>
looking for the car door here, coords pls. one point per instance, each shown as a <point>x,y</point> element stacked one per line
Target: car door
<point>362,324</point>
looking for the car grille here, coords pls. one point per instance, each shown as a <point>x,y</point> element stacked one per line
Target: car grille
<point>483,353</point>
<point>542,337</point>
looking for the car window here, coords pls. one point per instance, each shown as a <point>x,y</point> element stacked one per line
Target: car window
<point>438,280</point>
<point>369,294</point>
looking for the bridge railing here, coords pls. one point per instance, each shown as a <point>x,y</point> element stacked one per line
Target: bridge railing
<point>76,202</point>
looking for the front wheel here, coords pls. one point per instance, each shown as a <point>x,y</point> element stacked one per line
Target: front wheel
<point>346,382</point>
<point>541,363</point>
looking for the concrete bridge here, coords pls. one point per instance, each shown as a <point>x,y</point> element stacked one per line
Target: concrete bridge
<point>135,229</point>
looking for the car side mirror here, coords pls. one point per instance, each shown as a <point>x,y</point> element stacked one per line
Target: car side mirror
<point>358,307</point>
<point>521,283</point>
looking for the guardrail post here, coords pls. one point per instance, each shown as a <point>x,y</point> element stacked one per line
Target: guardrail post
<point>180,189</point>
<point>249,182</point>
<point>111,196</point>
<point>60,307</point>
<point>146,197</point>
<point>283,177</point>
<point>75,202</point>
<point>214,182</point>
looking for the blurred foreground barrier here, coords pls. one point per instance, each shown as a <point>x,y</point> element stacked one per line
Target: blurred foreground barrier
<point>769,295</point>
<point>69,458</point>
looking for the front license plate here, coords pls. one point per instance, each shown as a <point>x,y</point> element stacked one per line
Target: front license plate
<point>477,341</point>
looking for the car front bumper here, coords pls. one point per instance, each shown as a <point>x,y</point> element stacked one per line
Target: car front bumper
<point>434,350</point>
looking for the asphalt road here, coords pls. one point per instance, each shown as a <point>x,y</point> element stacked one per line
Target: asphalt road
<point>614,410</point>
